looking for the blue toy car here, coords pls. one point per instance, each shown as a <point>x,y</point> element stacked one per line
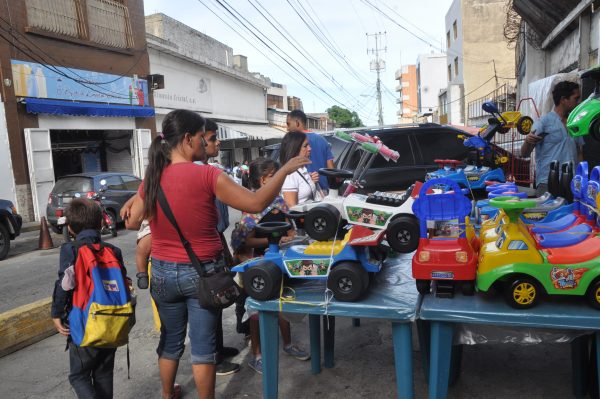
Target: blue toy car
<point>345,263</point>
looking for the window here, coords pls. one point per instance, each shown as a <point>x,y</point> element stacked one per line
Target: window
<point>455,29</point>
<point>274,101</point>
<point>440,144</point>
<point>397,141</point>
<point>114,183</point>
<point>131,183</point>
<point>448,39</point>
<point>104,22</point>
<point>518,245</point>
<point>449,73</point>
<point>455,66</point>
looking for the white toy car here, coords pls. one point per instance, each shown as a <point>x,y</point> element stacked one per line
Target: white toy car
<point>383,211</point>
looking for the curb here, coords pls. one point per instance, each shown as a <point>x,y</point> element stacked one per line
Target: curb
<point>25,325</point>
<point>27,227</point>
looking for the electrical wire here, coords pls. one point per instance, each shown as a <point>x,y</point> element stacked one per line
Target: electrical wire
<point>306,54</point>
<point>233,15</point>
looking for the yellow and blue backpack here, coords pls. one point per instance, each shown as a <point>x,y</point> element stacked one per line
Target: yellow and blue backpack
<point>103,313</point>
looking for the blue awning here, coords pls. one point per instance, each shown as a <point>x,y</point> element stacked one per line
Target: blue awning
<point>58,107</point>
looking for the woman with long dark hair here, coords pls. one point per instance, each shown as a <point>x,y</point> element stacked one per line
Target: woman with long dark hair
<point>301,186</point>
<point>190,190</point>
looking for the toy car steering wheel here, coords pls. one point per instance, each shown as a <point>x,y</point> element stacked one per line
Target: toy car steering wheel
<point>512,206</point>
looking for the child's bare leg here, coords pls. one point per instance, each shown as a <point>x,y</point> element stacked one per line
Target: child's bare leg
<point>142,253</point>
<point>286,333</point>
<point>255,335</point>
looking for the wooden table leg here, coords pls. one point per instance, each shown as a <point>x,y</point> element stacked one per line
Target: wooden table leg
<point>269,340</point>
<point>328,340</point>
<point>439,363</point>
<point>402,339</point>
<point>314,323</point>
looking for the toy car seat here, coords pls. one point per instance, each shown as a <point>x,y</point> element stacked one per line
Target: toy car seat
<point>553,179</point>
<point>566,176</point>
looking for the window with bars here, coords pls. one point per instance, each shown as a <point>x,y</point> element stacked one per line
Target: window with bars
<point>105,22</point>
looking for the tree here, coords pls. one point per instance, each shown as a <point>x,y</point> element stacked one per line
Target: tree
<point>343,117</point>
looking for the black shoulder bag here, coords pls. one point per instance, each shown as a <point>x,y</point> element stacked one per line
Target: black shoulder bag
<point>216,290</point>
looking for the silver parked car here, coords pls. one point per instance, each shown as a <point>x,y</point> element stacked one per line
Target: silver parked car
<point>119,188</point>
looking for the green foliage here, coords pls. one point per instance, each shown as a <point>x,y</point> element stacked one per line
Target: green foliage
<point>344,117</point>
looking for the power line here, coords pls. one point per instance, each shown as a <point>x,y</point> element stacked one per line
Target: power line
<point>262,53</point>
<point>306,54</point>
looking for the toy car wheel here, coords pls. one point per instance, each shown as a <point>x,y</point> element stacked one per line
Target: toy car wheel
<point>593,294</point>
<point>524,125</point>
<point>468,288</point>
<point>595,129</point>
<point>522,292</point>
<point>403,234</point>
<point>262,281</point>
<point>424,286</point>
<point>348,281</point>
<point>321,222</point>
<point>4,241</point>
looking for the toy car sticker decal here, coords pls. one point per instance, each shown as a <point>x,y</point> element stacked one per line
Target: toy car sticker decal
<point>367,216</point>
<point>534,215</point>
<point>446,228</point>
<point>473,178</point>
<point>567,278</point>
<point>308,267</point>
<point>442,275</point>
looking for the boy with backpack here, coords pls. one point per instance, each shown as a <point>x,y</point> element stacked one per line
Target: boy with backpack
<point>92,303</point>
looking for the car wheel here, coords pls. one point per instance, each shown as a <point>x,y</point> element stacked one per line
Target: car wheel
<point>593,294</point>
<point>4,241</point>
<point>424,286</point>
<point>66,234</point>
<point>403,234</point>
<point>468,288</point>
<point>524,125</point>
<point>522,292</point>
<point>348,281</point>
<point>321,222</point>
<point>55,229</point>
<point>262,282</point>
<point>595,129</point>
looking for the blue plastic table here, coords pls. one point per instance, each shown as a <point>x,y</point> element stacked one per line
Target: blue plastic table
<point>442,314</point>
<point>392,296</point>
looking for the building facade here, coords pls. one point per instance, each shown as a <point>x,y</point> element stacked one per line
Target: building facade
<point>75,95</point>
<point>407,89</point>
<point>552,47</point>
<point>477,57</point>
<point>431,79</point>
<point>203,75</point>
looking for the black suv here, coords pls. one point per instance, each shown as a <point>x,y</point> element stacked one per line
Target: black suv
<point>10,226</point>
<point>418,144</point>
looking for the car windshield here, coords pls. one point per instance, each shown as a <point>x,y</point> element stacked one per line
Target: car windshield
<point>73,184</point>
<point>501,240</point>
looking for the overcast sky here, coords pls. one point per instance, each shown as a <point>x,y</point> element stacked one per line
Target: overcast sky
<point>338,69</point>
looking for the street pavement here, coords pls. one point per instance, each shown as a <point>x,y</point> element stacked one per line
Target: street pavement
<point>364,364</point>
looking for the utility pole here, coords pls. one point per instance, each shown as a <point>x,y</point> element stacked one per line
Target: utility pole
<point>377,65</point>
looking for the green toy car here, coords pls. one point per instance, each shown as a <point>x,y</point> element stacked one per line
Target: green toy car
<point>585,118</point>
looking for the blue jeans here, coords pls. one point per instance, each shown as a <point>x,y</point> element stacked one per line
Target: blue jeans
<point>174,289</point>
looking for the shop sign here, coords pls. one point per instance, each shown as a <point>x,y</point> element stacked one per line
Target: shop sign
<point>54,82</point>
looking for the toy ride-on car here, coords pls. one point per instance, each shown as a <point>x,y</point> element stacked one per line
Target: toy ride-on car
<point>446,253</point>
<point>585,118</point>
<point>389,212</point>
<point>525,273</point>
<point>344,263</point>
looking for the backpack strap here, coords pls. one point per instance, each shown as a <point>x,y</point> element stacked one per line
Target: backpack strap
<point>164,204</point>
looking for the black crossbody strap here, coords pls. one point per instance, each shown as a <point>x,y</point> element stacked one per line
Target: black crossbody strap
<point>312,192</point>
<point>164,204</point>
